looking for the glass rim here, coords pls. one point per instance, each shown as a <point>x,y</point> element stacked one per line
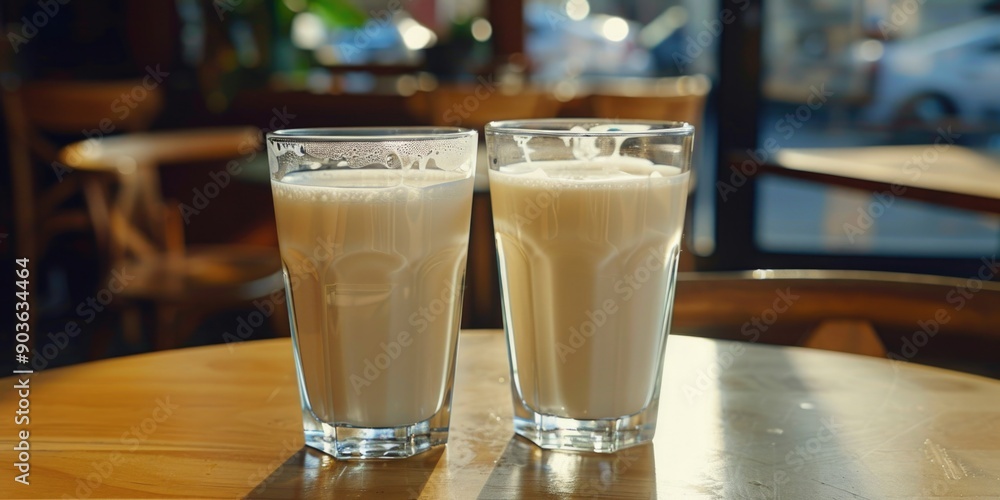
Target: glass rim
<point>371,134</point>
<point>535,127</point>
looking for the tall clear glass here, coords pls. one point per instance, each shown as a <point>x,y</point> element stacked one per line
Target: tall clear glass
<point>588,217</point>
<point>373,228</point>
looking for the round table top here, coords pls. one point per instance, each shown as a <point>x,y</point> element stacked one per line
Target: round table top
<point>123,152</point>
<point>941,173</point>
<point>736,421</point>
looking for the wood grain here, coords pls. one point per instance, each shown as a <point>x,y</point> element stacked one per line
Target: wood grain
<point>736,421</point>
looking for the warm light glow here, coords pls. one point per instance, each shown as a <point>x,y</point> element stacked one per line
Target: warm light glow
<point>577,9</point>
<point>406,85</point>
<point>308,31</point>
<point>326,55</point>
<point>871,50</point>
<point>565,90</point>
<point>426,81</point>
<point>482,30</point>
<point>415,35</point>
<point>614,29</point>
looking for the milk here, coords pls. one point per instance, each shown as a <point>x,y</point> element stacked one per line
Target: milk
<point>587,251</point>
<point>375,263</point>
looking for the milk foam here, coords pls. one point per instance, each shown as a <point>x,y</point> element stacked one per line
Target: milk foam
<point>452,155</point>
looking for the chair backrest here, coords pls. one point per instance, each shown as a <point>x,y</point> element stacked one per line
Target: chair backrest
<point>67,108</point>
<point>71,107</point>
<point>913,317</point>
<point>473,106</point>
<point>678,99</point>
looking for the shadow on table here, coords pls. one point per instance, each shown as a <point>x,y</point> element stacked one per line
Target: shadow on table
<point>527,471</point>
<point>311,474</point>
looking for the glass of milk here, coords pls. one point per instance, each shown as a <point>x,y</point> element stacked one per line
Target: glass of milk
<point>373,228</point>
<point>588,216</point>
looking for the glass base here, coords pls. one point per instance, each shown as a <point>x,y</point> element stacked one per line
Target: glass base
<point>357,443</point>
<point>600,436</point>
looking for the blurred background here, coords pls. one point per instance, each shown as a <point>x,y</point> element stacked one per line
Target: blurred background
<point>133,180</point>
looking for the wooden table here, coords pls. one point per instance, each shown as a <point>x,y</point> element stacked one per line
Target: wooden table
<point>938,173</point>
<point>135,159</point>
<point>736,421</point>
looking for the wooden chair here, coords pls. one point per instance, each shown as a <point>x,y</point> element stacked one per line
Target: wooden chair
<point>42,185</point>
<point>929,319</point>
<point>145,234</point>
<point>43,190</point>
<point>136,231</point>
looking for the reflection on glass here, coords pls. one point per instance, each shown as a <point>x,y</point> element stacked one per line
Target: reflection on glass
<point>311,474</point>
<point>537,473</point>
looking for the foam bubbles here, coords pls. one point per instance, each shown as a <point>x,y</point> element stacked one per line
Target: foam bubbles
<point>586,147</point>
<point>453,155</point>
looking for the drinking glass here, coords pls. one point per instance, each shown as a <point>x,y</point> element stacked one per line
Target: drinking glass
<point>373,228</point>
<point>588,216</point>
